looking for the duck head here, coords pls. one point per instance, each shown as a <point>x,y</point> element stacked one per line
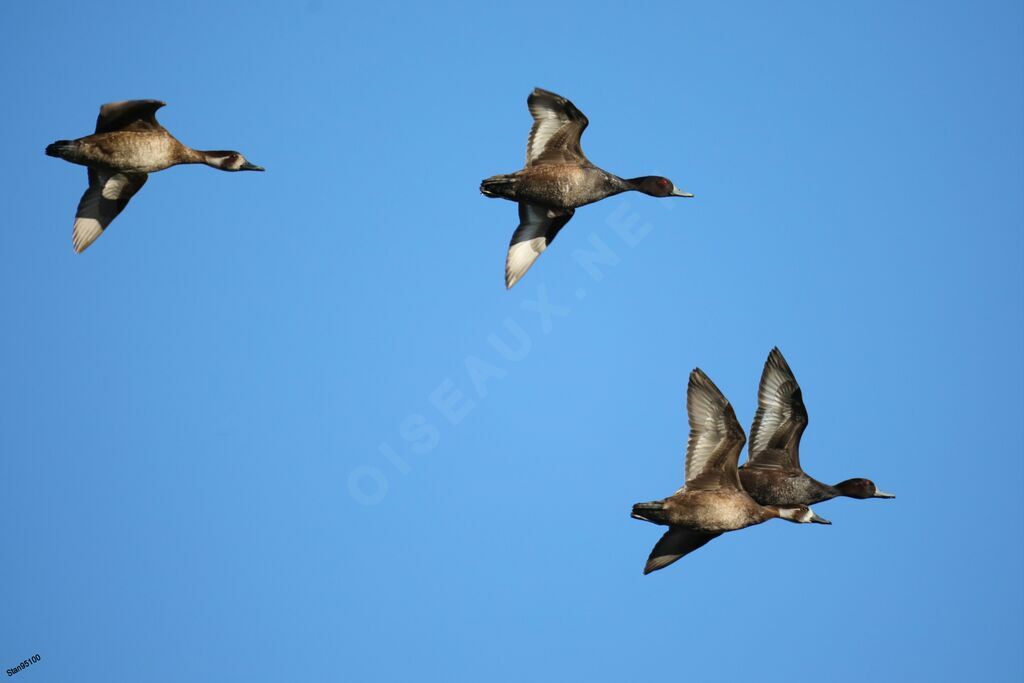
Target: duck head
<point>229,161</point>
<point>656,186</point>
<point>800,514</point>
<point>861,488</point>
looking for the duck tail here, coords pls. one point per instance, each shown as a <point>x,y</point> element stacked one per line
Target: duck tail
<point>500,186</point>
<point>653,511</point>
<point>60,149</point>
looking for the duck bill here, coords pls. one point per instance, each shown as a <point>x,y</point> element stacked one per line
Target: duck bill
<point>250,167</point>
<point>676,192</point>
<point>883,494</point>
<point>815,518</point>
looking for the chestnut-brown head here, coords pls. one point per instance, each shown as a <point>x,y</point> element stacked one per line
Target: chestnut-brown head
<point>656,186</point>
<point>861,488</point>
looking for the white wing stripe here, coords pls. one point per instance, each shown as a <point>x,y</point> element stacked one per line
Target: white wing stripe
<point>85,233</point>
<point>114,186</point>
<point>521,256</point>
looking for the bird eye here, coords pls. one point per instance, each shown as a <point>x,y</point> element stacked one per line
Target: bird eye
<point>662,182</point>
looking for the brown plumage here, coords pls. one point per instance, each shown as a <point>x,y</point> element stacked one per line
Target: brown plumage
<point>557,179</point>
<point>772,474</point>
<point>712,501</point>
<point>129,143</point>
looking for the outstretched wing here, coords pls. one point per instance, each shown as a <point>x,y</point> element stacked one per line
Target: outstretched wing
<point>716,437</point>
<point>129,115</point>
<point>557,127</point>
<point>780,419</point>
<point>537,229</point>
<point>106,197</point>
<point>677,542</point>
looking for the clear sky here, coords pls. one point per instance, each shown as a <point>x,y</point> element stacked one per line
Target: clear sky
<point>291,427</point>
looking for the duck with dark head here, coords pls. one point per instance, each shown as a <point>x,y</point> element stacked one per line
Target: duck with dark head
<point>711,502</point>
<point>557,180</point>
<point>772,474</point>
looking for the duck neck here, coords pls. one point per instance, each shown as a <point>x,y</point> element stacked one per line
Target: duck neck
<point>812,491</point>
<point>631,184</point>
<point>193,156</point>
<point>613,185</point>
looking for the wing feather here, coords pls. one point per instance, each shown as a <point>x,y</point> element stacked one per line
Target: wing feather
<point>106,197</point>
<point>780,419</point>
<point>677,542</point>
<point>557,128</point>
<point>129,115</point>
<point>716,437</point>
<point>537,229</point>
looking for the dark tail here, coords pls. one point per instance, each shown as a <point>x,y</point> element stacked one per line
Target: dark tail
<point>650,512</point>
<point>500,186</point>
<point>60,149</point>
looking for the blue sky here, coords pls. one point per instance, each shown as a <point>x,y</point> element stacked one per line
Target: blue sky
<point>291,426</point>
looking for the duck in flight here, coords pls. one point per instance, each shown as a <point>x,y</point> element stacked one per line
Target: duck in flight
<point>558,179</point>
<point>712,501</point>
<point>129,143</point>
<point>772,474</point>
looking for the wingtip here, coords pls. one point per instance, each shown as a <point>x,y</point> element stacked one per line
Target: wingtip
<point>703,388</point>
<point>656,563</point>
<point>541,92</point>
<point>699,381</point>
<point>778,361</point>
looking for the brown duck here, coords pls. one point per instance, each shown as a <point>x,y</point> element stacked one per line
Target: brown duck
<point>712,501</point>
<point>129,143</point>
<point>558,179</point>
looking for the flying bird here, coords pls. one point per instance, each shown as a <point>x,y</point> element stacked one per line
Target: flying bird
<point>712,501</point>
<point>128,145</point>
<point>772,474</point>
<point>557,180</point>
